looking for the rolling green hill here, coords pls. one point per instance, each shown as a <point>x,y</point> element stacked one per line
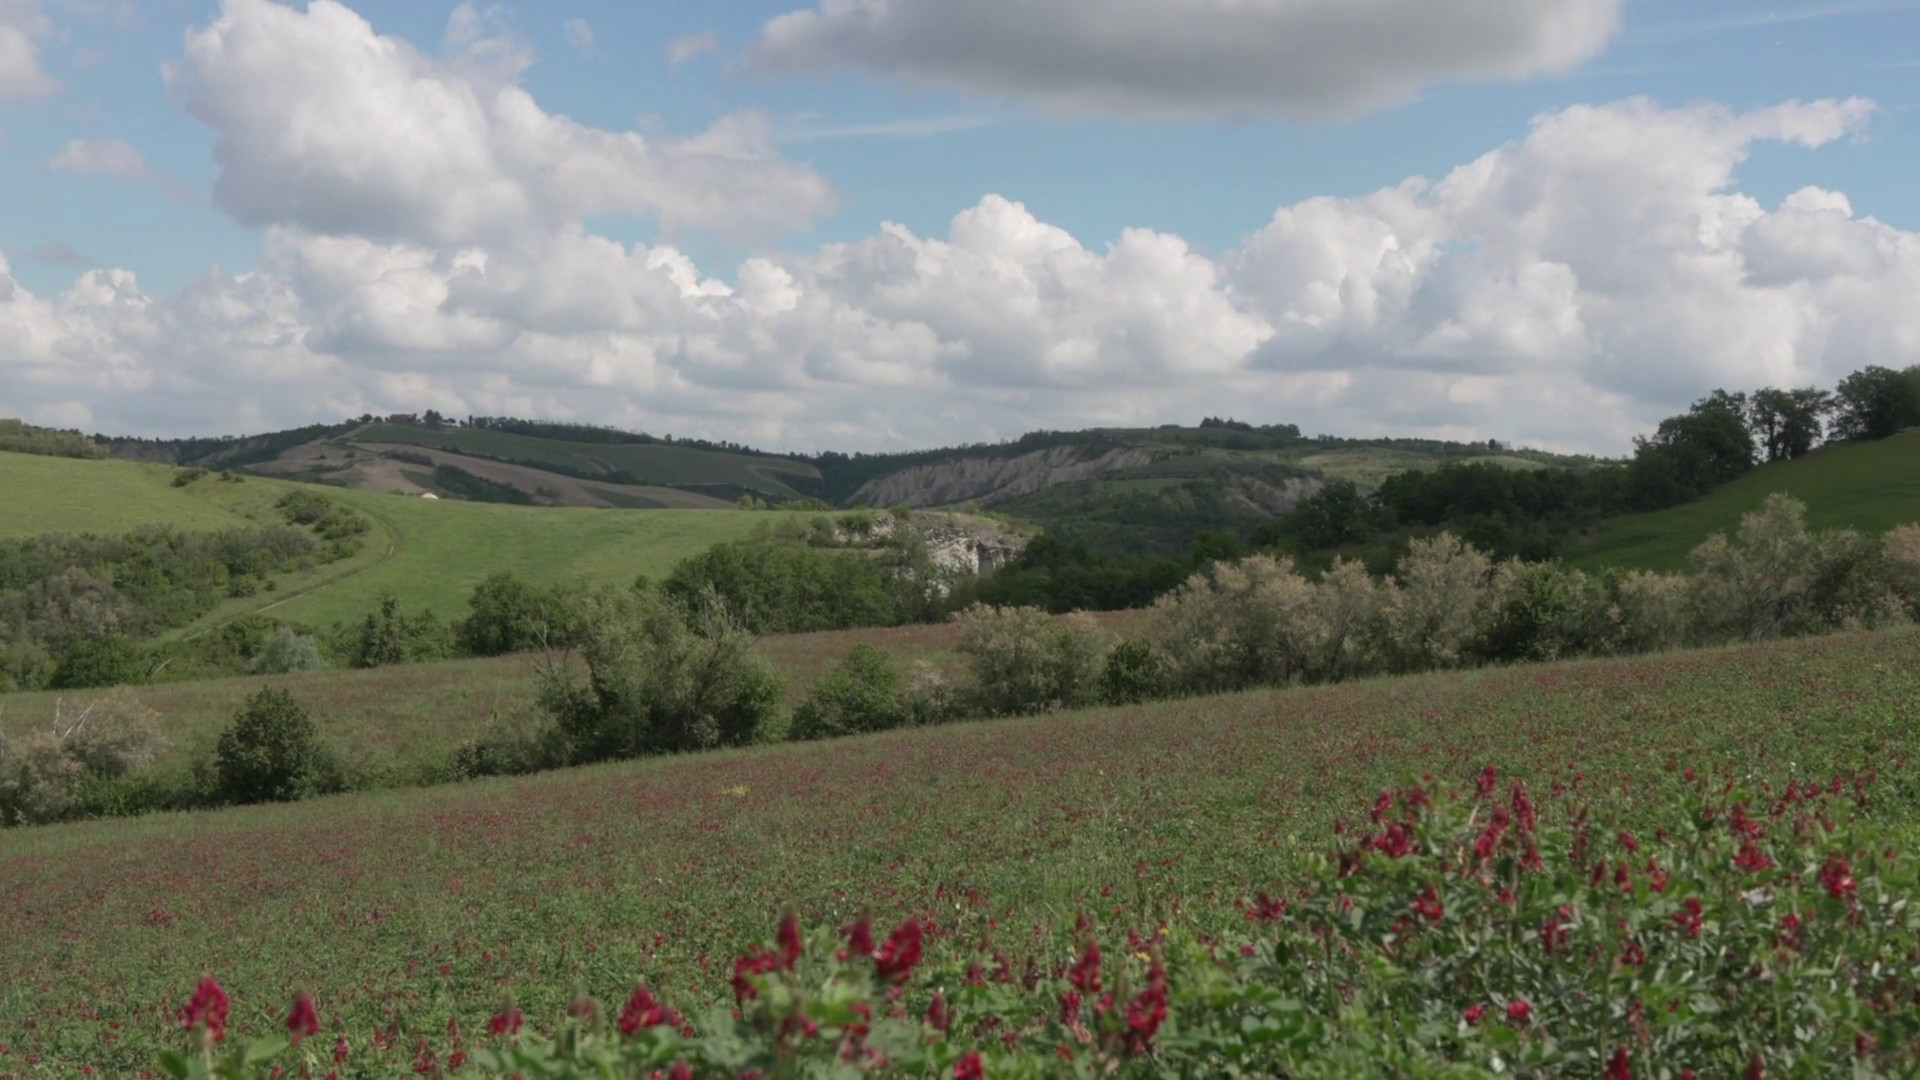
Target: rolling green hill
<point>431,553</point>
<point>664,464</point>
<point>1870,486</point>
<point>58,494</point>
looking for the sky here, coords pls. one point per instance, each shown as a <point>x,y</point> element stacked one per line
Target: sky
<point>886,224</point>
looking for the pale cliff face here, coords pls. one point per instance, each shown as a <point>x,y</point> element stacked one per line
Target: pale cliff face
<point>983,481</point>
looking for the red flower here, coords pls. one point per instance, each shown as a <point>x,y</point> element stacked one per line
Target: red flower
<point>1085,974</point>
<point>1147,1012</point>
<point>758,961</point>
<point>1428,905</point>
<point>1266,909</point>
<point>208,1010</point>
<point>1553,932</point>
<point>506,1023</point>
<point>1519,1012</point>
<point>680,1071</point>
<point>937,1012</point>
<point>1617,1067</point>
<point>1484,784</point>
<point>643,1013</point>
<point>1752,859</point>
<point>1395,843</point>
<point>1473,1014</point>
<point>1837,876</point>
<point>789,939</point>
<point>859,935</point>
<point>1691,919</point>
<point>340,1050</point>
<point>1069,1008</point>
<point>969,1067</point>
<point>1627,841</point>
<point>1632,955</point>
<point>1381,805</point>
<point>303,1022</point>
<point>896,959</point>
<point>1756,1069</point>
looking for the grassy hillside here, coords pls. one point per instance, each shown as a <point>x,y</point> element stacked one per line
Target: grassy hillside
<point>647,463</point>
<point>418,906</point>
<point>1867,486</point>
<point>431,553</point>
<point>57,494</point>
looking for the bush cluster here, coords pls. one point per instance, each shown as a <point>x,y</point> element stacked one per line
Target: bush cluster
<point>1262,622</point>
<point>100,760</point>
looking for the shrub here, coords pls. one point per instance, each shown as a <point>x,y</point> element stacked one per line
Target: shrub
<point>510,615</point>
<point>865,692</point>
<point>46,775</point>
<point>1444,600</point>
<point>1135,671</point>
<point>663,676</point>
<point>1260,623</point>
<point>1649,611</point>
<point>186,477</point>
<point>390,636</point>
<point>285,652</point>
<point>272,752</point>
<point>1547,612</point>
<point>108,660</point>
<point>24,665</point>
<point>1901,550</point>
<point>1022,660</point>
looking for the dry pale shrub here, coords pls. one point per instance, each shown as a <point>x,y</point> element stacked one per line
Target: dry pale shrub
<point>1445,599</point>
<point>1023,660</point>
<point>1260,622</point>
<point>1650,612</point>
<point>1901,548</point>
<point>43,773</point>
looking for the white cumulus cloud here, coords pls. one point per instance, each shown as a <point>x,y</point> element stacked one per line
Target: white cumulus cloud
<point>1568,288</point>
<point>1308,58</point>
<point>327,126</point>
<point>22,25</point>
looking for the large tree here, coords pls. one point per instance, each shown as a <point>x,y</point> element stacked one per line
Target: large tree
<point>1876,402</point>
<point>1788,423</point>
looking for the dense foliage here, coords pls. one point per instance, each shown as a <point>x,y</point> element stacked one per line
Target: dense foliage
<point>19,437</point>
<point>1531,513</point>
<point>814,577</point>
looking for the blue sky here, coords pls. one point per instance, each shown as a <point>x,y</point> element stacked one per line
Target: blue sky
<point>888,128</point>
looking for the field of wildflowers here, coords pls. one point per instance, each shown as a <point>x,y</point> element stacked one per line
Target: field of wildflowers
<point>416,921</point>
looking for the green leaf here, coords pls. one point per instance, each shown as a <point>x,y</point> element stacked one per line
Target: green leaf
<point>174,1064</point>
<point>264,1049</point>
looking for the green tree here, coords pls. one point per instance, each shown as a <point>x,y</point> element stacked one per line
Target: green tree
<point>1788,423</point>
<point>865,692</point>
<point>271,752</point>
<point>109,660</point>
<point>663,676</point>
<point>1876,402</point>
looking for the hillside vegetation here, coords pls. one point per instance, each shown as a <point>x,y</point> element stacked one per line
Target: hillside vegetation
<point>431,552</point>
<point>404,911</point>
<point>1868,486</point>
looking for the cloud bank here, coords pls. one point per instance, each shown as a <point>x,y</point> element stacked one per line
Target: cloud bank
<point>1567,288</point>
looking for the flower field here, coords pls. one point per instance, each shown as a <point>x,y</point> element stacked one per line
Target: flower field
<point>409,916</point>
